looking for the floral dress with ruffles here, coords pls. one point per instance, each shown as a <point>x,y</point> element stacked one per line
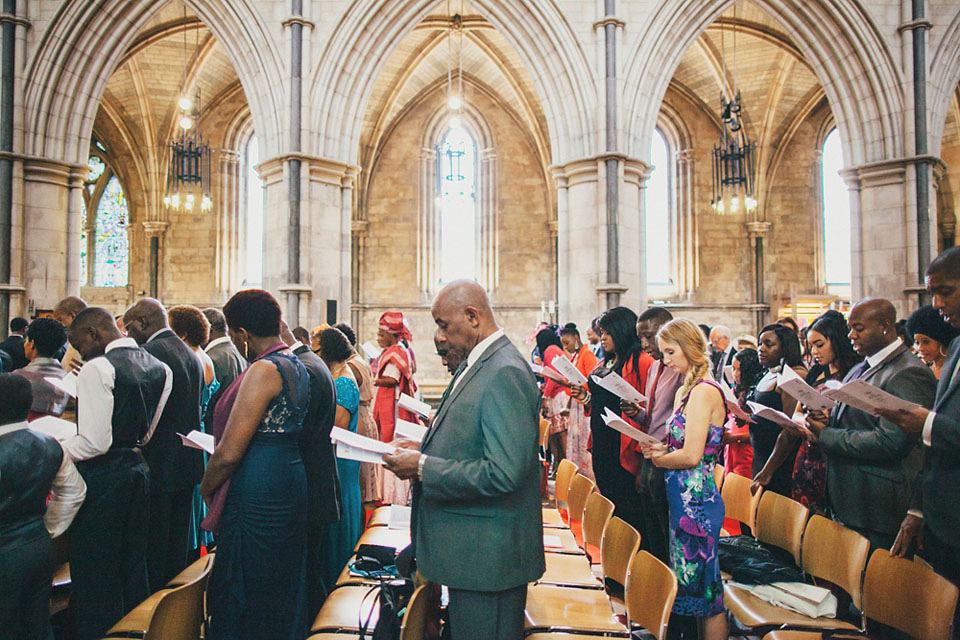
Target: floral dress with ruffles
<point>696,515</point>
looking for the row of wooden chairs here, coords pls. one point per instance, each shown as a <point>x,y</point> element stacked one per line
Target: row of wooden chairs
<point>174,613</point>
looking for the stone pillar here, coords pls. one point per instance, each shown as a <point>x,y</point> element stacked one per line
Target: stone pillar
<point>427,230</point>
<point>757,231</point>
<point>231,202</point>
<point>633,234</point>
<point>563,244</point>
<point>685,236</point>
<point>154,230</point>
<point>44,249</point>
<point>581,240</point>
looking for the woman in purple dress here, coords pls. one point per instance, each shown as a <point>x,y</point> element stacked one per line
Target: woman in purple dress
<point>694,438</point>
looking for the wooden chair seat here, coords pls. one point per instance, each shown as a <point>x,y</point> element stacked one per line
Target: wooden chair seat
<point>346,578</point>
<point>570,571</point>
<point>552,519</point>
<point>809,635</point>
<point>753,612</point>
<point>568,544</point>
<point>412,627</point>
<point>380,517</point>
<point>552,608</point>
<point>566,636</point>
<point>138,620</point>
<point>191,572</point>
<point>345,608</point>
<point>396,538</point>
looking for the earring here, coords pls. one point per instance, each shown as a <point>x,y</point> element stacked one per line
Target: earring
<point>942,352</point>
<point>246,349</point>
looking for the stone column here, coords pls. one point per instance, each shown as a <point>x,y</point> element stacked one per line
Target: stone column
<point>154,230</point>
<point>231,203</point>
<point>563,243</point>
<point>757,231</point>
<point>42,262</point>
<point>685,235</point>
<point>633,233</point>
<point>581,240</point>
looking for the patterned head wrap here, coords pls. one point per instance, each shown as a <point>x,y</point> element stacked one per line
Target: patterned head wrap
<point>393,322</point>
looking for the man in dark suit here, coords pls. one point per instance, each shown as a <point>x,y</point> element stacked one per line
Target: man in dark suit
<point>13,345</point>
<point>174,468</point>
<point>476,521</point>
<point>227,361</point>
<point>319,461</point>
<point>871,464</point>
<point>723,350</point>
<point>934,516</point>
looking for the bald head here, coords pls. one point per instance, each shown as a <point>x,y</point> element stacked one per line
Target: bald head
<point>92,330</point>
<point>67,309</point>
<point>145,318</point>
<point>877,309</point>
<point>463,316</point>
<point>872,323</point>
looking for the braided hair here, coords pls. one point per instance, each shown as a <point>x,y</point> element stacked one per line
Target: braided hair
<point>687,335</point>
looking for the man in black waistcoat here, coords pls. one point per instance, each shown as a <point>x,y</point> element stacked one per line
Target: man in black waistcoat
<point>174,469</point>
<point>319,461</point>
<point>121,392</point>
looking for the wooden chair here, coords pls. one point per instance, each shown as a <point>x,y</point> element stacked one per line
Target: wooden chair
<point>574,570</point>
<point>831,553</point>
<point>168,614</point>
<point>620,544</point>
<point>412,627</point>
<point>651,590</point>
<point>780,522</point>
<point>346,608</point>
<point>555,517</point>
<point>396,538</point>
<point>380,517</point>
<point>596,515</point>
<point>195,568</point>
<point>740,505</point>
<point>580,489</point>
<point>900,594</point>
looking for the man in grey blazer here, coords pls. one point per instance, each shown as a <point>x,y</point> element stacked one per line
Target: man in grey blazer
<point>934,516</point>
<point>227,361</point>
<point>871,463</point>
<point>476,522</point>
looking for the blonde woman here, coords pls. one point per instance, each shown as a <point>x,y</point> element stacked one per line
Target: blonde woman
<point>694,438</point>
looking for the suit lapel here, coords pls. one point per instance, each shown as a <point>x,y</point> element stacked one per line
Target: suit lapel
<point>872,371</point>
<point>946,387</point>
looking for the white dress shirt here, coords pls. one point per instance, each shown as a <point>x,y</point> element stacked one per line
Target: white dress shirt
<point>475,354</point>
<point>95,406</point>
<point>213,343</point>
<point>68,489</point>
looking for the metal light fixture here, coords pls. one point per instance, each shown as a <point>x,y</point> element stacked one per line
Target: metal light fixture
<point>455,98</point>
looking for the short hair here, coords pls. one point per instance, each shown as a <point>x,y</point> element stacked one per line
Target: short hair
<point>947,263</point>
<point>47,336</point>
<point>18,324</point>
<point>70,304</point>
<point>16,397</point>
<point>215,317</point>
<point>722,331</point>
<point>570,329</point>
<point>254,310</point>
<point>595,324</point>
<point>334,346</point>
<point>789,343</point>
<point>189,323</point>
<point>301,334</point>
<point>96,317</point>
<point>657,315</point>
<point>348,331</point>
<point>789,321</point>
<point>928,321</point>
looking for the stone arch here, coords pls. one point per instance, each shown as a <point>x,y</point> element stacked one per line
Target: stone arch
<point>844,47</point>
<point>343,82</point>
<point>943,80</point>
<point>84,42</point>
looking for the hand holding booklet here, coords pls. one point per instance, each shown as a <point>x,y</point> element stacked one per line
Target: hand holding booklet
<point>412,404</point>
<point>67,384</point>
<point>198,440</point>
<point>568,370</point>
<point>733,406</point>
<point>862,395</point>
<point>619,387</point>
<point>547,372</point>
<point>797,387</point>
<point>614,421</point>
<point>777,417</point>
<point>353,446</point>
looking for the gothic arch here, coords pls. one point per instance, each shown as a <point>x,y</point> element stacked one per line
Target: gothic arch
<point>370,29</point>
<point>840,41</point>
<point>84,42</point>
<point>943,80</point>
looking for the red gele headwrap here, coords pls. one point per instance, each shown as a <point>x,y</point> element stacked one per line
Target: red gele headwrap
<point>392,322</point>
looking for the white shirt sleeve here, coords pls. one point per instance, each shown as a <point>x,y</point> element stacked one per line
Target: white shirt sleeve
<point>68,490</point>
<point>927,433</point>
<point>390,371</point>
<point>167,387</point>
<point>94,411</point>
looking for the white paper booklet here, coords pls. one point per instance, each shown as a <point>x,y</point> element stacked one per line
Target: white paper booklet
<point>728,373</point>
<point>410,430</point>
<point>399,517</point>
<point>614,421</point>
<point>56,427</point>
<point>371,350</point>
<point>547,372</point>
<point>733,406</point>
<point>777,417</point>
<point>619,387</point>
<point>412,404</point>
<point>552,542</point>
<point>797,387</point>
<point>198,440</point>
<point>353,446</point>
<point>866,397</point>
<point>67,384</point>
<point>568,370</point>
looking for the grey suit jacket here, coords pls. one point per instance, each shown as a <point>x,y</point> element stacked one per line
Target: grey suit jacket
<point>227,364</point>
<point>871,463</point>
<point>938,494</point>
<point>476,515</point>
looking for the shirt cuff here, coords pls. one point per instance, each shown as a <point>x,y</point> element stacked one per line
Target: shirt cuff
<point>915,512</point>
<point>927,433</point>
<point>420,463</point>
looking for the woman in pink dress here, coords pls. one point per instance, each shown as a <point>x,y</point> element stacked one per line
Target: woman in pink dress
<point>578,425</point>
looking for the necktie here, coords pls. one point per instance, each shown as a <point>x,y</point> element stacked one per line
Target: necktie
<point>860,370</point>
<point>456,374</point>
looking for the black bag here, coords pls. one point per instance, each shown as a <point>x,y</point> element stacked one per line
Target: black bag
<point>751,562</point>
<point>393,597</point>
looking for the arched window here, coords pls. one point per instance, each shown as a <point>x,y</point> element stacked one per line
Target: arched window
<point>658,214</point>
<point>253,269</point>
<point>836,215</point>
<point>457,205</point>
<point>112,244</point>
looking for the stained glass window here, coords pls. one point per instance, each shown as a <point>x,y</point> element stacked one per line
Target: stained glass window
<point>112,246</point>
<point>83,242</point>
<point>457,204</point>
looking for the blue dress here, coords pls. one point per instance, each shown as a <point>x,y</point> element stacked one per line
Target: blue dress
<point>257,588</point>
<point>200,537</point>
<point>696,516</point>
<point>341,537</point>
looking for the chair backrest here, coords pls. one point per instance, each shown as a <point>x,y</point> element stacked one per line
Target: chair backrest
<point>414,623</point>
<point>835,553</point>
<point>908,597</point>
<point>738,502</point>
<point>544,432</point>
<point>781,521</point>
<point>651,590</point>
<point>179,614</point>
<point>580,489</point>
<point>597,513</point>
<point>619,545</point>
<point>718,471</point>
<point>565,471</point>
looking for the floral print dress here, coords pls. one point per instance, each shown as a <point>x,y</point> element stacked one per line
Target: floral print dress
<point>696,515</point>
